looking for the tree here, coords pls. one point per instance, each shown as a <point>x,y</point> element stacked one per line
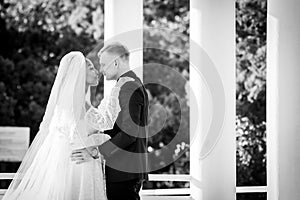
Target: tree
<point>251,91</point>
<point>36,35</point>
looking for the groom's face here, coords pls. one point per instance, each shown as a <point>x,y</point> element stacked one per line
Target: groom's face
<point>108,65</point>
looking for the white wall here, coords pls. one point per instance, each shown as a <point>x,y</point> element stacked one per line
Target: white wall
<point>283,99</point>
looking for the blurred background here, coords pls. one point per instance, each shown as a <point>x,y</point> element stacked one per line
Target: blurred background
<point>35,34</point>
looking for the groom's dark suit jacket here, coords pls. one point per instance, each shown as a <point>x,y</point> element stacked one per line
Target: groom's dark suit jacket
<point>125,152</point>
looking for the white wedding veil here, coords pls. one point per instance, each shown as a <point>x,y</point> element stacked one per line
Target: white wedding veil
<point>64,109</point>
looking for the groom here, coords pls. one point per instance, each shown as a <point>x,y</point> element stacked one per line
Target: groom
<point>125,152</point>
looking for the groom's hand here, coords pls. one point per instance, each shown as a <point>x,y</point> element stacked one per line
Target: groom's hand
<point>84,155</point>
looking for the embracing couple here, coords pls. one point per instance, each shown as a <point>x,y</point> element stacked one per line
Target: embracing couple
<point>87,153</point>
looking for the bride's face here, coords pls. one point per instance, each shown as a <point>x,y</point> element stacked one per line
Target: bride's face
<point>92,75</point>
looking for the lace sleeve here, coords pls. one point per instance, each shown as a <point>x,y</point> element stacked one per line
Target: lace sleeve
<point>104,117</point>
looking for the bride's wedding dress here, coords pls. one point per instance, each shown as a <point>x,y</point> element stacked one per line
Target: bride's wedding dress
<point>47,172</point>
<point>86,180</point>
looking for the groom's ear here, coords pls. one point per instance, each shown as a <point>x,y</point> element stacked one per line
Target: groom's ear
<point>116,63</point>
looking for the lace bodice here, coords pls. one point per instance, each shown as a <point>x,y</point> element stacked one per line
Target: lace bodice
<point>104,117</point>
<point>97,120</point>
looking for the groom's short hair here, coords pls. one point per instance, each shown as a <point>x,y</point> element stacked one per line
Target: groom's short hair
<point>116,48</point>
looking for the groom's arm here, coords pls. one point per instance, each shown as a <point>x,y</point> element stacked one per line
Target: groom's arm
<point>131,101</point>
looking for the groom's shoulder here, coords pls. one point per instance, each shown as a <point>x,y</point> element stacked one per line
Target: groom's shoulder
<point>131,85</point>
<point>131,90</point>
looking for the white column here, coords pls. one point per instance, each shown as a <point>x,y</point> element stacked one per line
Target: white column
<point>283,100</point>
<point>212,27</point>
<point>123,22</point>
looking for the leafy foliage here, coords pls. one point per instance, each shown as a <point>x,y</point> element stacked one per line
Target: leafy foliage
<point>251,19</point>
<point>166,27</point>
<point>34,36</point>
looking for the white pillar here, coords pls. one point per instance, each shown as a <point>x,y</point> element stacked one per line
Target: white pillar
<point>123,22</point>
<point>212,27</point>
<point>283,100</point>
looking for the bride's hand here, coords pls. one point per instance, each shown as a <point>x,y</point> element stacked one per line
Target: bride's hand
<point>123,80</point>
<point>83,155</point>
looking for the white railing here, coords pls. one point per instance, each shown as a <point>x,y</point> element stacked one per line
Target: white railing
<point>173,193</point>
<point>147,194</point>
<point>161,194</point>
<point>169,177</point>
<point>5,176</point>
<point>251,189</point>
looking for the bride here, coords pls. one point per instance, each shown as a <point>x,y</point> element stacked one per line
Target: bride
<point>47,172</point>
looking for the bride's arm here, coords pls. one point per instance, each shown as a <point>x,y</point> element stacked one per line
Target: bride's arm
<point>104,117</point>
